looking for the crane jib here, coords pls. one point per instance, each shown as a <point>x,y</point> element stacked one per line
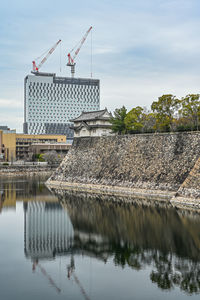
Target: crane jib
<point>71,62</point>
<point>45,58</point>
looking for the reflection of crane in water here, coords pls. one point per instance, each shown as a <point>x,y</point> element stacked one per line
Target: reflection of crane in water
<point>44,272</point>
<point>71,272</point>
<point>2,199</point>
<point>44,222</point>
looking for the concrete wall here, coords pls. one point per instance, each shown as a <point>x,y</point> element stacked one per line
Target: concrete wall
<point>84,132</point>
<point>147,161</point>
<point>9,141</point>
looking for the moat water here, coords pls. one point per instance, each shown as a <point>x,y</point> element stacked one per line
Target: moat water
<point>75,247</point>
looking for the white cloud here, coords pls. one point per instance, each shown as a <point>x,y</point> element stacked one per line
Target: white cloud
<point>10,103</point>
<point>131,92</point>
<point>105,50</point>
<point>11,113</point>
<point>142,49</point>
<point>12,120</point>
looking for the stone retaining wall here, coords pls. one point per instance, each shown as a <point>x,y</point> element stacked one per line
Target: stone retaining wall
<point>188,193</point>
<point>146,161</point>
<point>191,186</point>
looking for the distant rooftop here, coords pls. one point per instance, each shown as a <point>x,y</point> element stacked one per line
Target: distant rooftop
<point>2,127</point>
<point>67,80</point>
<point>43,73</point>
<point>6,129</point>
<point>90,115</point>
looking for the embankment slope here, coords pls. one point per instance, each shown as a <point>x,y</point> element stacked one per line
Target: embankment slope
<point>144,161</point>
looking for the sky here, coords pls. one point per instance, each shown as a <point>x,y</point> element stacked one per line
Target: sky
<point>141,49</point>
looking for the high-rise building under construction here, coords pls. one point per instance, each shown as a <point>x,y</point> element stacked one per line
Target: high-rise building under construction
<point>50,102</point>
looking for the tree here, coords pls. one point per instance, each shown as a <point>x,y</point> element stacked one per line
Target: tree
<point>133,120</point>
<point>191,109</point>
<point>52,157</point>
<point>38,157</point>
<point>148,120</point>
<point>165,108</point>
<point>118,124</point>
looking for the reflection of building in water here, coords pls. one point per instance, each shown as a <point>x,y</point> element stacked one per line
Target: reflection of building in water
<point>47,230</point>
<point>9,197</point>
<point>13,191</point>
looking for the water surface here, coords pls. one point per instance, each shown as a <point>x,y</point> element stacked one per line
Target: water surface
<point>81,247</point>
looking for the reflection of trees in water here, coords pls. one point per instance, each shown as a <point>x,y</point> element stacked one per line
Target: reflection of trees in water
<point>171,271</point>
<point>168,269</point>
<point>141,235</point>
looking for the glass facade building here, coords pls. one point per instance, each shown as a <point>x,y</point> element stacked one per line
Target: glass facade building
<point>50,102</point>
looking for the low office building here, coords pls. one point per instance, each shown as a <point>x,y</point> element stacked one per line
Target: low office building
<point>7,144</point>
<point>1,145</point>
<point>43,148</point>
<point>94,123</point>
<point>24,141</point>
<point>15,146</point>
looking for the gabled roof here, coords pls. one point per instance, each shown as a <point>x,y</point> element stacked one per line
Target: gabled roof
<point>91,115</point>
<point>83,124</point>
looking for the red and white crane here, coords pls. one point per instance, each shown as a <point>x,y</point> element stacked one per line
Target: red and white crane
<point>36,68</point>
<point>71,59</point>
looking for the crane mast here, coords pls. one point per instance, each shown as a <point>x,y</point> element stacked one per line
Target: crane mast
<point>35,67</point>
<point>71,59</point>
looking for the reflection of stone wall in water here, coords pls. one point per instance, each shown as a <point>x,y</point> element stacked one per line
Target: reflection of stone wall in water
<point>163,228</point>
<point>148,161</point>
<point>140,235</point>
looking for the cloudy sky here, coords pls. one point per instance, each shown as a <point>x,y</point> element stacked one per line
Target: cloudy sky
<point>142,49</point>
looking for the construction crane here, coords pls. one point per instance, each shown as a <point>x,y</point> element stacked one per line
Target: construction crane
<point>36,68</point>
<point>71,59</point>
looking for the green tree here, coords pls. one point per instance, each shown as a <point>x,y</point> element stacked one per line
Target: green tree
<point>133,120</point>
<point>165,108</point>
<point>149,121</point>
<point>39,157</point>
<point>191,109</point>
<point>118,124</point>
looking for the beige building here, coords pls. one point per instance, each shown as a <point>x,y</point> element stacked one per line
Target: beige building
<point>1,145</point>
<point>42,148</point>
<point>15,146</point>
<point>24,141</point>
<point>8,145</point>
<point>94,123</point>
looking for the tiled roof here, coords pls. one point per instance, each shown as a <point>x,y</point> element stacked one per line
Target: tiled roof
<point>90,115</point>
